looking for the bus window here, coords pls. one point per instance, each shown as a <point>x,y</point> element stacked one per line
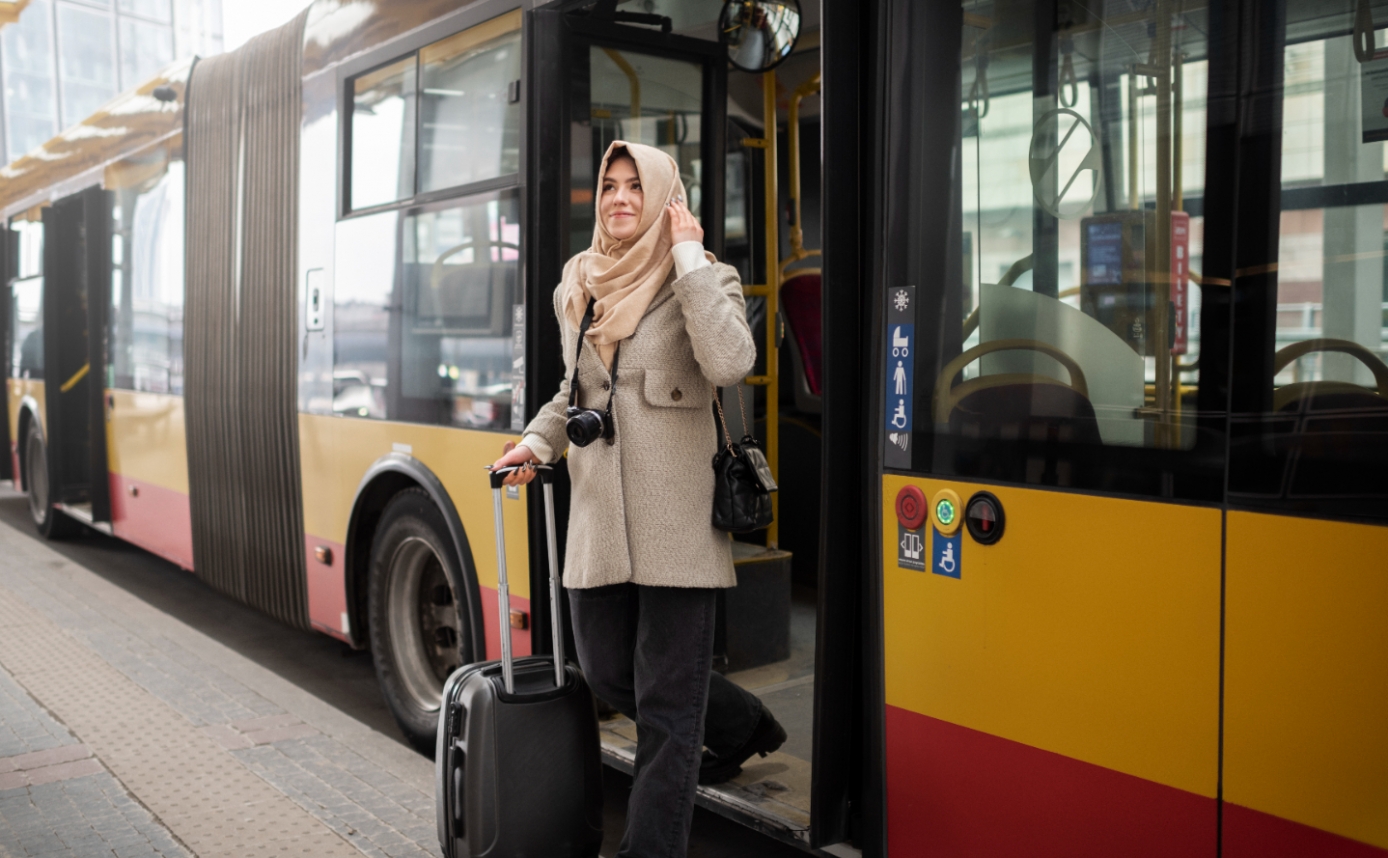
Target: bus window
<point>383,135</point>
<point>28,328</point>
<point>1310,428</point>
<point>1076,255</point>
<point>439,349</point>
<point>452,110</point>
<point>461,269</point>
<point>470,105</point>
<point>146,345</point>
<point>26,314</point>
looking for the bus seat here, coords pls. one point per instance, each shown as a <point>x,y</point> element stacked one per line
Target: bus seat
<point>802,307</point>
<point>1113,371</point>
<point>1309,396</point>
<point>1016,406</point>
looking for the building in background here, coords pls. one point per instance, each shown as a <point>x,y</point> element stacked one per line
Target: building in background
<point>63,59</point>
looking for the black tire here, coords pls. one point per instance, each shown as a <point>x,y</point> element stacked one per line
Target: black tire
<point>50,523</point>
<point>418,634</point>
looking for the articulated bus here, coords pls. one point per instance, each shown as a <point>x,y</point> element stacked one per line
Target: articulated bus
<point>1072,316</point>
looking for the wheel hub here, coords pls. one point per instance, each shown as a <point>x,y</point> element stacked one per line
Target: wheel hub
<point>423,618</point>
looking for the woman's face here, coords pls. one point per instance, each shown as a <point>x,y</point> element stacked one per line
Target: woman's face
<point>622,199</point>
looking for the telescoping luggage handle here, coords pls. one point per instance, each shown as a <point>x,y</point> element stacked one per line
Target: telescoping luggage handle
<point>503,590</point>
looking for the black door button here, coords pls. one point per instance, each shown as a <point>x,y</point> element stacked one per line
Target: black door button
<point>984,518</point>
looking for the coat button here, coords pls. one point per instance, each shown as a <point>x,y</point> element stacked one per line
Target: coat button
<point>676,394</point>
<point>607,385</point>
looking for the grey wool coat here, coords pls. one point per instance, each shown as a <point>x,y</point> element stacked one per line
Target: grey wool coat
<point>642,507</point>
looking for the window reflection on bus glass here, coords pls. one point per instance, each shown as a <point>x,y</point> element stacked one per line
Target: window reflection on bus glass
<point>1312,435</point>
<point>469,127</point>
<point>438,350</point>
<point>383,135</point>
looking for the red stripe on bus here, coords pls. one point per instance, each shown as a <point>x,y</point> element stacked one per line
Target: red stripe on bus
<point>157,519</point>
<point>952,791</point>
<point>1251,833</point>
<point>327,588</point>
<point>520,638</point>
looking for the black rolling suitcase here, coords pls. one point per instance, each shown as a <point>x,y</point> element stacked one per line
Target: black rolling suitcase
<point>518,770</point>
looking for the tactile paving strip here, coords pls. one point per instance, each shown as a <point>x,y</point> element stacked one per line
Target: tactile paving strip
<point>203,794</point>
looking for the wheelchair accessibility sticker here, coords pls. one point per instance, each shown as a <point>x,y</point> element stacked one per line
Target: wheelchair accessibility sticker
<point>910,548</point>
<point>944,554</point>
<point>900,366</point>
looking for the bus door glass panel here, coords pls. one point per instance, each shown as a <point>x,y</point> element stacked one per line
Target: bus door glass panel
<point>146,337</point>
<point>1080,247</point>
<point>1306,647</point>
<point>1042,245</point>
<point>1311,424</point>
<point>640,98</point>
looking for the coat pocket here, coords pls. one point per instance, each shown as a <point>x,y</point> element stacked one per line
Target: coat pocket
<point>669,389</point>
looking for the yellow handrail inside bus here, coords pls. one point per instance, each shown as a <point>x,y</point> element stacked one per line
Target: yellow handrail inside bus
<point>797,230</point>
<point>634,83</point>
<point>769,290</point>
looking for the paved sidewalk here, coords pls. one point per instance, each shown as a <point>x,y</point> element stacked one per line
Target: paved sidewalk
<point>124,732</point>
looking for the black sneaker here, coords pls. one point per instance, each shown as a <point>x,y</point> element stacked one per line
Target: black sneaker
<point>766,737</point>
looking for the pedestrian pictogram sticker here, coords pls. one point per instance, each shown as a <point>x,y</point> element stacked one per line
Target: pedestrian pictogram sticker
<point>900,372</point>
<point>910,547</point>
<point>944,554</point>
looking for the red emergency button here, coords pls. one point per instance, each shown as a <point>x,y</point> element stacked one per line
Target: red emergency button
<point>910,507</point>
<point>984,518</point>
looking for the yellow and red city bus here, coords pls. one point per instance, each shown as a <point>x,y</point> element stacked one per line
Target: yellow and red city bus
<point>1081,421</point>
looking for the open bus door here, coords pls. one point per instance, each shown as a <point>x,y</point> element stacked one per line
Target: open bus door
<point>77,267</point>
<point>599,74</point>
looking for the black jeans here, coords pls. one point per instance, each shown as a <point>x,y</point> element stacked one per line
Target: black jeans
<point>648,651</point>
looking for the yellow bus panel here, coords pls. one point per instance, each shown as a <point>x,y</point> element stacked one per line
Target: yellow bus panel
<point>1091,630</point>
<point>1306,675</point>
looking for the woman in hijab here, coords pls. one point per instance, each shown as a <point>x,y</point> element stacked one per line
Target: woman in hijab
<point>661,324</point>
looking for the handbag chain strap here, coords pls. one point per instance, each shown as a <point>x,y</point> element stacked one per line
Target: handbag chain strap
<point>717,403</point>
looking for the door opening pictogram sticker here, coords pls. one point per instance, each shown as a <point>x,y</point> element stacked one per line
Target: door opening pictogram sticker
<point>898,395</point>
<point>910,547</point>
<point>944,553</point>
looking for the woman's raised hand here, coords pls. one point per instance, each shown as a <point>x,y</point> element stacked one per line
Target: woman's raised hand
<point>683,226</point>
<point>512,456</point>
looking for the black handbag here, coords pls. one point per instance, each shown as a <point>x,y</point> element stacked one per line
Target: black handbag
<point>742,481</point>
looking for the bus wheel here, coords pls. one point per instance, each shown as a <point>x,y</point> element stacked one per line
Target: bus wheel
<point>417,634</point>
<point>51,524</point>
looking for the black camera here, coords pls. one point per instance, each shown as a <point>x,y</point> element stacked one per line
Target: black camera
<point>586,425</point>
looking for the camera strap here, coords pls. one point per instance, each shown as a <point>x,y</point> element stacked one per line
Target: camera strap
<point>578,353</point>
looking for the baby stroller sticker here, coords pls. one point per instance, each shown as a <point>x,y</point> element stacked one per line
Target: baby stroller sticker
<point>901,345</point>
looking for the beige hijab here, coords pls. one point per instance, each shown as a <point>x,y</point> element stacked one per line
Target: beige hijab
<point>622,277</point>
